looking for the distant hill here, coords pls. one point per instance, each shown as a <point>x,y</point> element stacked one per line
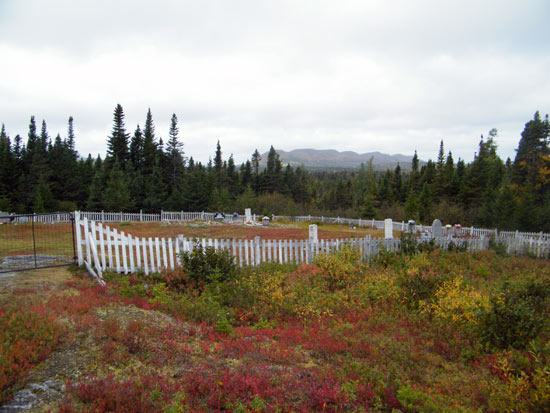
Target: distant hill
<point>330,159</point>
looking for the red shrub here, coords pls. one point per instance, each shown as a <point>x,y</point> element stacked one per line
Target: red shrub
<point>139,394</point>
<point>26,339</point>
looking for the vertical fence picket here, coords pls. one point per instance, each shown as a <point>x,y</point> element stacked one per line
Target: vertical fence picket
<point>157,249</point>
<point>124,244</point>
<point>87,243</point>
<point>145,260</point>
<point>102,246</point>
<point>240,248</point>
<point>152,255</point>
<point>131,253</point>
<point>164,254</point>
<point>117,252</point>
<point>109,246</point>
<point>246,252</point>
<point>138,252</point>
<point>171,252</point>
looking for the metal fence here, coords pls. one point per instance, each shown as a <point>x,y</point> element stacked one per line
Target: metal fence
<point>31,241</point>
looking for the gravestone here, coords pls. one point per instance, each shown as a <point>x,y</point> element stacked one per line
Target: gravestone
<point>313,233</point>
<point>437,229</point>
<point>388,228</point>
<point>248,216</point>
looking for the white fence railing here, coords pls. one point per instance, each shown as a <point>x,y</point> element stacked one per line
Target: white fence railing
<point>105,248</point>
<point>49,218</point>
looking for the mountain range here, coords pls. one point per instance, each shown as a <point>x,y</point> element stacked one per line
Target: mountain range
<point>330,159</point>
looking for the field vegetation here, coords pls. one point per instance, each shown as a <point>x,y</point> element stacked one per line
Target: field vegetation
<point>432,331</point>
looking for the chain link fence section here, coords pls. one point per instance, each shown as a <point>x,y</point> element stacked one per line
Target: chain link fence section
<point>31,241</point>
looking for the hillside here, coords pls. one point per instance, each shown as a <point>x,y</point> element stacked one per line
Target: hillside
<point>316,159</point>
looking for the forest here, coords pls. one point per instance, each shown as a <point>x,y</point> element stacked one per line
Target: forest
<point>141,171</point>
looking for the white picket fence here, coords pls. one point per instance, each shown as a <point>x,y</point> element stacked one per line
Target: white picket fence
<point>182,216</point>
<point>179,216</point>
<point>102,248</point>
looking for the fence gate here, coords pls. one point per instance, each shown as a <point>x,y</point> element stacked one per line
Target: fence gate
<point>33,241</point>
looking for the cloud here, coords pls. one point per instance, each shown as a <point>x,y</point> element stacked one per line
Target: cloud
<point>349,75</point>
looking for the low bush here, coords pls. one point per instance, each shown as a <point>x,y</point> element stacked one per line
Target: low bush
<point>509,323</point>
<point>517,314</point>
<point>340,268</point>
<point>200,267</point>
<point>419,281</point>
<point>26,339</point>
<point>458,304</point>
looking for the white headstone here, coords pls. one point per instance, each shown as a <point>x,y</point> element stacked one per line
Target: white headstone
<point>313,233</point>
<point>388,228</point>
<point>248,215</point>
<point>437,229</point>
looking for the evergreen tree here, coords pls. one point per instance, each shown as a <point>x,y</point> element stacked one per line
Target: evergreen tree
<point>246,174</point>
<point>7,165</point>
<point>116,196</point>
<point>136,150</point>
<point>273,174</point>
<point>233,182</point>
<point>71,139</point>
<point>218,166</point>
<point>174,154</point>
<point>117,143</point>
<point>43,199</point>
<point>449,187</point>
<point>532,145</point>
<point>256,158</point>
<point>397,185</point>
<point>150,146</point>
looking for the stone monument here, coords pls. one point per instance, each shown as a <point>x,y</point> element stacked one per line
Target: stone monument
<point>248,216</point>
<point>388,228</point>
<point>313,233</point>
<point>437,229</point>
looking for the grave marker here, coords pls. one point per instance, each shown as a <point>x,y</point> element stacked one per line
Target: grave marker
<point>437,229</point>
<point>388,228</point>
<point>248,216</point>
<point>313,233</point>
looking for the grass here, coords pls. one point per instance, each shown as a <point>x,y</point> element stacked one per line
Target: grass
<point>58,239</point>
<point>48,239</point>
<point>431,332</point>
<point>276,230</point>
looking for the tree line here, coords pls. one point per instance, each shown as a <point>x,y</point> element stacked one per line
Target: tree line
<point>142,172</point>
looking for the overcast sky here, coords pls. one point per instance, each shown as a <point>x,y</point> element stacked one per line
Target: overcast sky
<point>389,75</point>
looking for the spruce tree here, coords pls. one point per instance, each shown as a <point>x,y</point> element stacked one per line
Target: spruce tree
<point>218,166</point>
<point>117,143</point>
<point>7,165</point>
<point>150,146</point>
<point>174,154</point>
<point>532,145</point>
<point>136,150</point>
<point>116,196</point>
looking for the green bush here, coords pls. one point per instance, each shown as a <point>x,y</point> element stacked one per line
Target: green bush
<point>410,245</point>
<point>206,265</point>
<point>517,315</point>
<point>419,282</point>
<point>340,268</point>
<point>498,247</point>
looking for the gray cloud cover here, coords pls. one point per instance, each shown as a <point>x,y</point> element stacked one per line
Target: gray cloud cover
<point>392,76</point>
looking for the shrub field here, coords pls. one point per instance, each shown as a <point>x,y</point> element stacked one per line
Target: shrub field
<point>430,332</point>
